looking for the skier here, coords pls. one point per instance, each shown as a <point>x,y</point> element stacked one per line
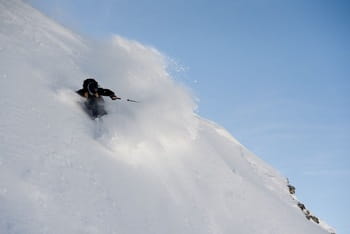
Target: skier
<point>94,103</point>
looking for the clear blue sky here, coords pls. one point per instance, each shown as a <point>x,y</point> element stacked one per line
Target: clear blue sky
<point>275,73</point>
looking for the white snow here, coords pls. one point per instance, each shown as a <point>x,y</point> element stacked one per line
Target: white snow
<point>149,167</point>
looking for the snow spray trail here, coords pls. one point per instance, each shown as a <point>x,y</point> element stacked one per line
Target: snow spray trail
<point>166,109</point>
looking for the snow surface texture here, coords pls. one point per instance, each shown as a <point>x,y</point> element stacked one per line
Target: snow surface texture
<point>151,167</point>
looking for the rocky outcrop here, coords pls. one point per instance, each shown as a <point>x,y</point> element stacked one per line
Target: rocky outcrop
<point>302,207</point>
<point>291,189</point>
<point>307,213</point>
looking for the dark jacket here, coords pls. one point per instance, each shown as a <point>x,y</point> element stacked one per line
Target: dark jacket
<point>91,90</point>
<point>99,92</point>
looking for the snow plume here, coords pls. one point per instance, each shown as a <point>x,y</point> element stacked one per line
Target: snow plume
<point>164,115</point>
<point>148,167</point>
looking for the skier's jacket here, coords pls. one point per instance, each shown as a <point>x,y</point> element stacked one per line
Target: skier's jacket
<point>92,91</point>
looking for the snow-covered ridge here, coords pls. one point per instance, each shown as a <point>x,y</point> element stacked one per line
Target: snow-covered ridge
<point>148,167</point>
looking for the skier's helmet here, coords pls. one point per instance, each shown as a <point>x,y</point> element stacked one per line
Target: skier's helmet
<point>91,86</point>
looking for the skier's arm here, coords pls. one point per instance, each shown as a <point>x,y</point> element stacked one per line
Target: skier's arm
<point>107,92</point>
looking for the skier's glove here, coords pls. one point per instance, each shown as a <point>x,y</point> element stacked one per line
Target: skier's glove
<point>115,97</point>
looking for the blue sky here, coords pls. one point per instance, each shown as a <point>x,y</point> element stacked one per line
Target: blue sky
<point>275,73</point>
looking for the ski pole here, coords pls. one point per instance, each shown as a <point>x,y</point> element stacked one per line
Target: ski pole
<point>130,100</point>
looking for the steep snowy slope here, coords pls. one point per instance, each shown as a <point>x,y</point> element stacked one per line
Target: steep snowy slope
<point>151,167</point>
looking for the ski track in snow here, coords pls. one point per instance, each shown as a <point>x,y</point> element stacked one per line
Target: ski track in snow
<point>148,167</point>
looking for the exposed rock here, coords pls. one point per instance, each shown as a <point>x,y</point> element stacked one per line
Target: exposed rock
<point>302,207</point>
<point>315,219</point>
<point>291,189</point>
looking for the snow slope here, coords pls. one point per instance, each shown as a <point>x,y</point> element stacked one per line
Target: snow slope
<point>151,167</point>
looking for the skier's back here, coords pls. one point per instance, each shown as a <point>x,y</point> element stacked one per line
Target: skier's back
<point>94,103</point>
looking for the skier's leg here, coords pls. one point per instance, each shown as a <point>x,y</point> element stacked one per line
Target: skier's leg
<point>95,108</point>
<point>101,109</point>
<point>91,107</point>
